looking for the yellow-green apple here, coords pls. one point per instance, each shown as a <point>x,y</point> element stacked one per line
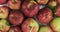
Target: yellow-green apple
<point>30,25</point>
<point>45,29</point>
<point>4,25</point>
<point>4,11</point>
<point>52,4</point>
<point>55,24</point>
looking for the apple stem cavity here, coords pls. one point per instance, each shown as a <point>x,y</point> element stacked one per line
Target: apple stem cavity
<point>1,11</point>
<point>15,17</point>
<point>31,7</point>
<point>30,27</point>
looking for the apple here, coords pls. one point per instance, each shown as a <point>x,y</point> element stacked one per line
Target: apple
<point>52,4</point>
<point>4,11</point>
<point>43,2</point>
<point>45,29</point>
<point>30,8</point>
<point>30,25</point>
<point>45,16</point>
<point>58,1</point>
<point>16,17</point>
<point>14,4</point>
<point>57,11</point>
<point>2,1</point>
<point>4,25</point>
<point>55,24</point>
<point>14,29</point>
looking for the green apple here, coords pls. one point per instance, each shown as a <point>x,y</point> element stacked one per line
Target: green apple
<point>55,24</point>
<point>4,25</point>
<point>30,25</point>
<point>45,29</point>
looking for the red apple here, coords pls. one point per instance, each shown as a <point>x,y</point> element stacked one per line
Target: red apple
<point>42,1</point>
<point>45,16</point>
<point>14,29</point>
<point>57,11</point>
<point>30,8</point>
<point>16,18</point>
<point>58,1</point>
<point>30,25</point>
<point>14,4</point>
<point>2,1</point>
<point>4,12</point>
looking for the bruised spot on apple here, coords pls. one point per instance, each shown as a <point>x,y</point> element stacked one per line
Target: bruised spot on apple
<point>45,16</point>
<point>4,12</point>
<point>30,9</point>
<point>45,29</point>
<point>16,18</point>
<point>30,25</point>
<point>42,1</point>
<point>14,4</point>
<point>57,11</point>
<point>2,1</point>
<point>15,29</point>
<point>55,24</point>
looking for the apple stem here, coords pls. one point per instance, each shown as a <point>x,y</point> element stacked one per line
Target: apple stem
<point>15,17</point>
<point>15,1</point>
<point>30,27</point>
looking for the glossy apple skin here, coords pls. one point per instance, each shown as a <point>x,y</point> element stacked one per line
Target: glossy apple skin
<point>4,25</point>
<point>45,16</point>
<point>4,11</point>
<point>43,2</point>
<point>30,25</point>
<point>45,29</point>
<point>15,29</point>
<point>30,9</point>
<point>16,18</point>
<point>2,1</point>
<point>14,5</point>
<point>57,11</point>
<point>55,24</point>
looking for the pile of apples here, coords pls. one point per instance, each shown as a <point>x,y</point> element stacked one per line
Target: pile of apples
<point>29,15</point>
